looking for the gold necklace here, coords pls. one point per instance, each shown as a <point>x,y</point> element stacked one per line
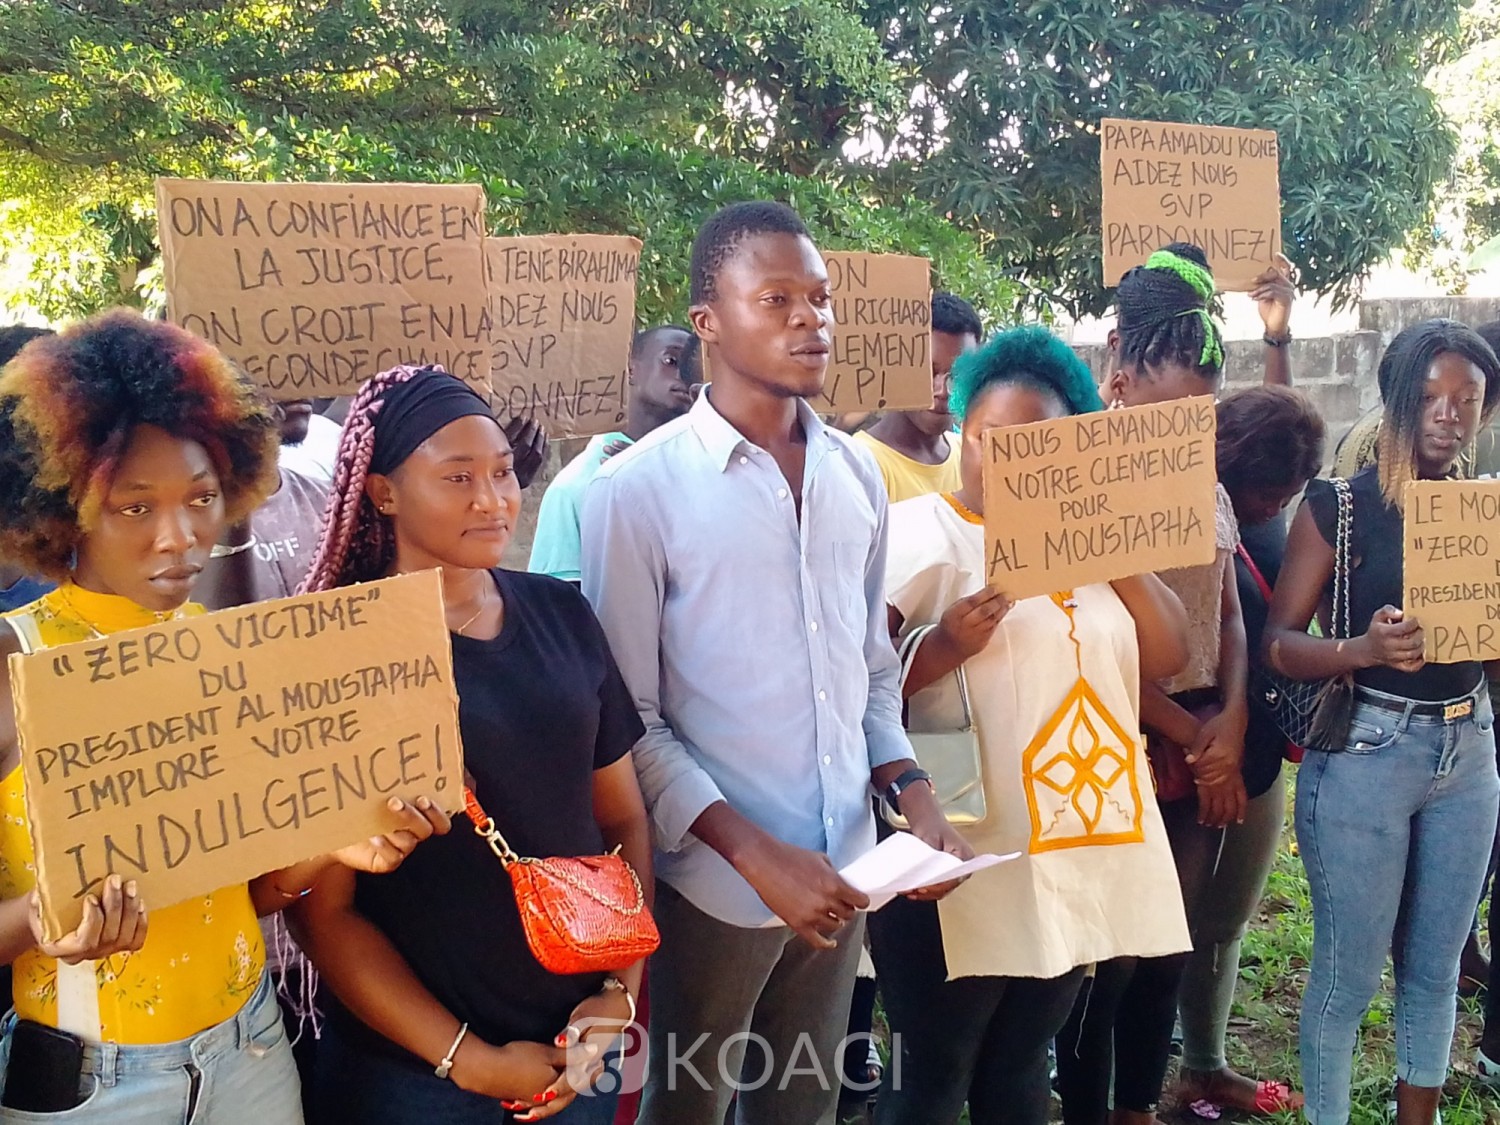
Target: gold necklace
<point>484,602</point>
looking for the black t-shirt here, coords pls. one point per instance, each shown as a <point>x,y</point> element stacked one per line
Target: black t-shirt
<point>1375,550</point>
<point>1264,742</point>
<point>541,707</point>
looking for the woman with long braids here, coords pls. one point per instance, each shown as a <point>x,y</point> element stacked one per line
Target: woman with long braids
<point>443,1013</point>
<point>125,447</point>
<point>1395,830</point>
<point>977,985</point>
<point>1167,346</point>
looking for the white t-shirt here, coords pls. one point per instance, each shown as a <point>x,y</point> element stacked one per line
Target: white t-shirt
<point>1065,773</point>
<point>315,456</point>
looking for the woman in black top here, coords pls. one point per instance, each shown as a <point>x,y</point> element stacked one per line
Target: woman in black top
<point>1270,444</point>
<point>425,479</point>
<point>1395,831</point>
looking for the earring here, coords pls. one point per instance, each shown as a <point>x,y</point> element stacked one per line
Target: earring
<point>1118,403</point>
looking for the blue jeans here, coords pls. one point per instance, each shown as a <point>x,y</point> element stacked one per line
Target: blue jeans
<point>1395,833</point>
<point>239,1072</point>
<point>356,1084</point>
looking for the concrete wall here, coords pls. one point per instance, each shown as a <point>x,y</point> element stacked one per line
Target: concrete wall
<point>1337,371</point>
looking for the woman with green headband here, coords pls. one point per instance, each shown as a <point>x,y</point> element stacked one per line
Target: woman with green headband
<point>1167,346</point>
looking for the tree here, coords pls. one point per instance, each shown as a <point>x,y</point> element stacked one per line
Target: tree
<point>593,116</point>
<point>1005,100</point>
<point>639,116</point>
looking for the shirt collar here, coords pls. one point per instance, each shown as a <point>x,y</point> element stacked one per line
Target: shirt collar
<point>721,439</point>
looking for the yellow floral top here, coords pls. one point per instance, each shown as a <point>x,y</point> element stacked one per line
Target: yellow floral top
<point>202,958</point>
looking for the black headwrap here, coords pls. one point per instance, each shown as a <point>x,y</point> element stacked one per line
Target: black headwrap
<point>411,412</point>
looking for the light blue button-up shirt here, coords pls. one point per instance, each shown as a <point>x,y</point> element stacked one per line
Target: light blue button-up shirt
<point>757,650</point>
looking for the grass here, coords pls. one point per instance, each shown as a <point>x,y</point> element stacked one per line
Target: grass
<point>1262,1038</point>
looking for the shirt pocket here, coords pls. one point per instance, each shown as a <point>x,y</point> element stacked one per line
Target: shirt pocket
<point>848,579</point>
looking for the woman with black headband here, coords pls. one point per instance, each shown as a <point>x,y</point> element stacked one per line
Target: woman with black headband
<point>1166,347</point>
<point>443,1013</point>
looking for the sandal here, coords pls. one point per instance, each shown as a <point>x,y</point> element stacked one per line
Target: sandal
<point>1275,1097</point>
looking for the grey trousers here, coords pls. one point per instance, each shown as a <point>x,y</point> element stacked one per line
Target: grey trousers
<point>717,989</point>
<point>1224,909</point>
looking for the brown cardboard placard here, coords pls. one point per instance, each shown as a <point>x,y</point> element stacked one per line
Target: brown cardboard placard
<point>313,288</point>
<point>207,750</point>
<point>1216,187</point>
<point>882,333</point>
<point>1451,572</point>
<point>1099,496</point>
<point>563,308</point>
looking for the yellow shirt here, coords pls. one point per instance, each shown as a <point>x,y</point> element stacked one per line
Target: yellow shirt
<point>201,959</point>
<point>906,479</point>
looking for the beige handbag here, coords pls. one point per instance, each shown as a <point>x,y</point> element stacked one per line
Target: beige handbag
<point>945,743</point>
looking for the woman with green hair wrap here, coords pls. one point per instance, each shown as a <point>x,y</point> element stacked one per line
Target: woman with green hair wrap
<point>1167,346</point>
<point>976,986</point>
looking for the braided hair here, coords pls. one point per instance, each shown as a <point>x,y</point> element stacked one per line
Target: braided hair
<point>1402,376</point>
<point>356,543</point>
<point>1165,312</point>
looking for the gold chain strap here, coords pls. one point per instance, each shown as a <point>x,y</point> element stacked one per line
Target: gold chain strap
<point>485,829</point>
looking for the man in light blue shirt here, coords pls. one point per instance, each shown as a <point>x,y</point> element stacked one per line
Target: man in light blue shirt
<point>658,393</point>
<point>736,558</point>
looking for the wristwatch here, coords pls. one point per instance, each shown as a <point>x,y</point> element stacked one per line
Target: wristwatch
<point>904,782</point>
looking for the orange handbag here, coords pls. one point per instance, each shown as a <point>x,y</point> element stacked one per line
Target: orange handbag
<point>583,914</point>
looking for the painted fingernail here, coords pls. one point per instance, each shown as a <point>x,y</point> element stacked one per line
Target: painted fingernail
<point>561,1040</point>
<point>551,1095</point>
<point>423,803</point>
<point>395,804</point>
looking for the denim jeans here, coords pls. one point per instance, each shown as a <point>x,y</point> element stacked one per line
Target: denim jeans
<point>357,1084</point>
<point>239,1072</point>
<point>1395,833</point>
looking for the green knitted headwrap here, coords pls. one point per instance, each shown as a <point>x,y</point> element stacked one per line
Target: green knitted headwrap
<point>1202,283</point>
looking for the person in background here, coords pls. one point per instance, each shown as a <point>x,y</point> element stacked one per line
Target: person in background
<point>125,445</point>
<point>736,558</point>
<point>1166,347</point>
<point>434,968</point>
<point>1396,830</point>
<point>658,393</point>
<point>977,986</point>
<point>1270,444</point>
<point>17,588</point>
<point>917,450</point>
<point>309,439</point>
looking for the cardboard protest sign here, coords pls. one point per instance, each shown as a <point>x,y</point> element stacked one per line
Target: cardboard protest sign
<point>1100,496</point>
<point>204,751</point>
<point>563,307</point>
<point>314,288</point>
<point>1215,187</point>
<point>882,333</point>
<point>1451,580</point>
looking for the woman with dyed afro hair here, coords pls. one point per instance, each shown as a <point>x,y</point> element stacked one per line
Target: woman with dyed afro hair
<point>125,446</point>
<point>977,985</point>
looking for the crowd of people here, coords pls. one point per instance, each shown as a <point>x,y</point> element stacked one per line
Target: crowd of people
<point>738,618</point>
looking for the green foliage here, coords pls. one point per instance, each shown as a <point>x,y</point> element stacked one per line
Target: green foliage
<point>640,116</point>
<point>1022,87</point>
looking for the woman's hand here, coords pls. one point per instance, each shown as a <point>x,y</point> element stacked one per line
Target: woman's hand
<point>1218,751</point>
<point>1273,295</point>
<point>114,921</point>
<point>511,1074</point>
<point>968,624</point>
<point>380,855</point>
<point>1393,640</point>
<point>592,1029</point>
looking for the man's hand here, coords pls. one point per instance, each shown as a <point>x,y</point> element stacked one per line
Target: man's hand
<point>925,816</point>
<point>802,888</point>
<point>528,442</point>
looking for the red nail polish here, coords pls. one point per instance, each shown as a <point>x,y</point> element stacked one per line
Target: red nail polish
<point>551,1095</point>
